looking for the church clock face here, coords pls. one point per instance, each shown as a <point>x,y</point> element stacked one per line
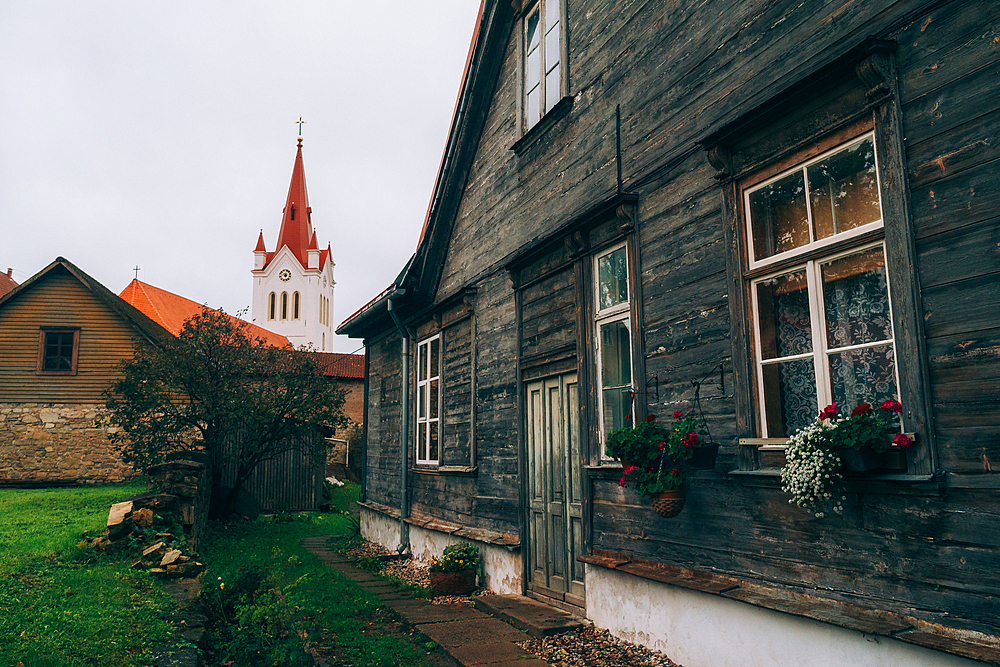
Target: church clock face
<point>284,275</point>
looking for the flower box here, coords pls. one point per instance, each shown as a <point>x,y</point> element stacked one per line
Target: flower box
<point>459,582</point>
<point>864,459</point>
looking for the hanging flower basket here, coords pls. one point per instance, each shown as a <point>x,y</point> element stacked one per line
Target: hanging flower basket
<point>703,456</point>
<point>668,504</point>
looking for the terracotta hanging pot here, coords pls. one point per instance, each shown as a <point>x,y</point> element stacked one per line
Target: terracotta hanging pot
<point>668,504</point>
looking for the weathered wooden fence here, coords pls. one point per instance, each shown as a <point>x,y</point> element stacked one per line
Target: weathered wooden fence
<point>292,481</point>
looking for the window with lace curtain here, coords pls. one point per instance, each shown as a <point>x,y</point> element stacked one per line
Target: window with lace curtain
<point>822,322</point>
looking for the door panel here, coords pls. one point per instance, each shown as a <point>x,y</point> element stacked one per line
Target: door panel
<point>555,513</point>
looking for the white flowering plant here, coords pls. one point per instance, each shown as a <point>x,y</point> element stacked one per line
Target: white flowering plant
<point>813,472</point>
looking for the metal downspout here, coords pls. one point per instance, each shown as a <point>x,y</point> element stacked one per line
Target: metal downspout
<point>404,433</point>
<point>364,434</point>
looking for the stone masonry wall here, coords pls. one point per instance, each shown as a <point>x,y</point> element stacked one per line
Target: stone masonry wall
<point>53,442</point>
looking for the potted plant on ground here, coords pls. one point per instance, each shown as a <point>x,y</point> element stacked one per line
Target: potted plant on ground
<point>454,573</point>
<point>816,456</point>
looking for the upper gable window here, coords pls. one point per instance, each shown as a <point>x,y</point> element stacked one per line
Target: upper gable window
<point>58,350</point>
<point>542,84</point>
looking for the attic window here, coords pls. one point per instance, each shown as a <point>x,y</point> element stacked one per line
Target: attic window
<point>58,350</point>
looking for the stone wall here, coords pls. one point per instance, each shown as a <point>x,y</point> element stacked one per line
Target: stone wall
<point>55,442</point>
<point>190,483</point>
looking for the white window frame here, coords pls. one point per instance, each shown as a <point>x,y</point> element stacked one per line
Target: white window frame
<point>545,65</point>
<point>618,312</point>
<point>839,245</point>
<point>836,239</point>
<point>424,388</point>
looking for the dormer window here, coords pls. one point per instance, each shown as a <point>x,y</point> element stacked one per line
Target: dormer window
<point>293,211</point>
<point>543,67</point>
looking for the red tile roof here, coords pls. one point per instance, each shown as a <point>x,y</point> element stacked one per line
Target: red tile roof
<point>6,282</point>
<point>171,311</point>
<point>341,365</point>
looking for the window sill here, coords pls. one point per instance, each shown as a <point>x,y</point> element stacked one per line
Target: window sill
<point>869,483</point>
<point>540,128</point>
<point>453,471</point>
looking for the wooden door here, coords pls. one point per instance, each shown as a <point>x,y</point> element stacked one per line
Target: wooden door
<point>555,511</point>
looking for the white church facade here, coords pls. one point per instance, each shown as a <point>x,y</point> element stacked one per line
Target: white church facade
<point>293,285</point>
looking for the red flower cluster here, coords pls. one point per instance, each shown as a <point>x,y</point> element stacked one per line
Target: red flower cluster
<point>650,418</point>
<point>892,406</point>
<point>862,409</point>
<point>678,414</point>
<point>902,440</point>
<point>690,440</point>
<point>829,412</point>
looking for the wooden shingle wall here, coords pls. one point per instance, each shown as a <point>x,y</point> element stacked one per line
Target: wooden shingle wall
<point>60,300</point>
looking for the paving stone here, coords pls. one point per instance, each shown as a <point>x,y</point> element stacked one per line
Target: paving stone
<point>419,612</point>
<point>495,653</point>
<point>465,633</point>
<point>537,619</point>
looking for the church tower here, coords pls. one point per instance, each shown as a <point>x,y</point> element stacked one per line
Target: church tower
<point>293,286</point>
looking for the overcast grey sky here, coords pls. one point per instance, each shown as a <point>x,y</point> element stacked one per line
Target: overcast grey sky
<point>161,134</point>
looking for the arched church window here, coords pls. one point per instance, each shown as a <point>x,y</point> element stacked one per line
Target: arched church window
<point>270,306</point>
<point>284,305</point>
<point>295,306</point>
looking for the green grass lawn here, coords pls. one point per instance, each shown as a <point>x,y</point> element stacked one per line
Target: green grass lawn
<point>64,606</point>
<point>343,618</point>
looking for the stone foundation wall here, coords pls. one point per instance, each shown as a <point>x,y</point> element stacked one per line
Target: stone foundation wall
<point>54,442</point>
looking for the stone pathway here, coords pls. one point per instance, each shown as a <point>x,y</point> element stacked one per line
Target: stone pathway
<point>467,634</point>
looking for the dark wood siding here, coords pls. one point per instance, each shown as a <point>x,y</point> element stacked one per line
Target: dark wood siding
<point>681,72</point>
<point>60,300</point>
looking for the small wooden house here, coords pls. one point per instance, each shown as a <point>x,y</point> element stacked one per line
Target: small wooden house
<point>742,210</point>
<point>62,335</point>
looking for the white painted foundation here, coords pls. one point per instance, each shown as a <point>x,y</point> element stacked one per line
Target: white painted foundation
<point>501,569</point>
<point>700,630</point>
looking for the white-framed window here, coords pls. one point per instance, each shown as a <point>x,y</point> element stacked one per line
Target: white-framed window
<point>542,49</point>
<point>613,338</point>
<point>295,305</point>
<point>284,305</point>
<point>428,408</point>
<point>271,300</point>
<point>822,321</point>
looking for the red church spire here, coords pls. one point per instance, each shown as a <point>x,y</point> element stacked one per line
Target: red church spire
<point>296,227</point>
<point>260,243</point>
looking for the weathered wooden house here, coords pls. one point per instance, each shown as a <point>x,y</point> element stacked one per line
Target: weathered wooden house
<point>795,205</point>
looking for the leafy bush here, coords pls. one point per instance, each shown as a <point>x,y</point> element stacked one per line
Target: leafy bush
<point>461,556</point>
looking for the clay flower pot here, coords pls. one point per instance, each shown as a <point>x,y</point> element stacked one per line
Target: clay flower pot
<point>461,582</point>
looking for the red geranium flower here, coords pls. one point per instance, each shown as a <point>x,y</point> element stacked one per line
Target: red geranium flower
<point>621,482</point>
<point>892,406</point>
<point>631,469</point>
<point>903,440</point>
<point>678,414</point>
<point>862,409</point>
<point>650,418</point>
<point>662,446</point>
<point>829,412</point>
<point>690,440</point>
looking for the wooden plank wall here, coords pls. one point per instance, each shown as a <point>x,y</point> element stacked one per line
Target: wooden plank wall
<point>60,300</point>
<point>680,71</point>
